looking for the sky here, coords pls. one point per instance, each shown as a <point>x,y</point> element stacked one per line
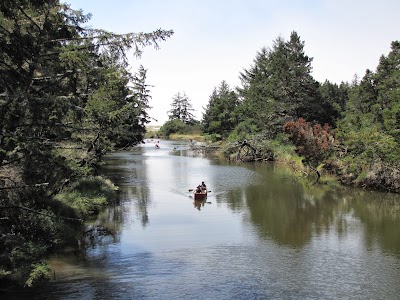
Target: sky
<point>215,40</point>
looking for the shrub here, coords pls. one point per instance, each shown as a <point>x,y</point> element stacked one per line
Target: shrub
<point>314,143</point>
<point>172,126</point>
<point>88,195</point>
<point>243,131</point>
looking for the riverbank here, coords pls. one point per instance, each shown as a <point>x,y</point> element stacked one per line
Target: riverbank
<point>337,168</point>
<point>97,232</point>
<point>260,222</point>
<point>60,223</point>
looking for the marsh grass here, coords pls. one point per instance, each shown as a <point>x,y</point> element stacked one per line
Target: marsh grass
<point>187,136</point>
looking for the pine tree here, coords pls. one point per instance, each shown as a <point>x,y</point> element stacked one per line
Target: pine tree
<point>220,116</point>
<point>279,86</point>
<point>181,109</point>
<point>370,127</point>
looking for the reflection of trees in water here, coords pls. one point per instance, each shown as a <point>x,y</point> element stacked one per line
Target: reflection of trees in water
<point>281,214</point>
<point>105,230</point>
<point>236,199</point>
<point>284,210</point>
<point>380,214</point>
<point>291,212</point>
<point>127,172</point>
<point>141,202</point>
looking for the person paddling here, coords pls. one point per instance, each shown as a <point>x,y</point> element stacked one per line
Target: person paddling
<point>199,189</point>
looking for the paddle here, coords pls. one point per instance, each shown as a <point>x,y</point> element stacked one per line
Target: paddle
<point>191,190</point>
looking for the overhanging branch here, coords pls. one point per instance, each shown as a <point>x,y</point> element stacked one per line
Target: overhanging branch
<point>24,186</point>
<point>38,212</point>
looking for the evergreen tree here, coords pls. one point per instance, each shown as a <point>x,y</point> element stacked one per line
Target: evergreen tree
<point>220,116</point>
<point>132,114</point>
<point>51,67</point>
<point>279,86</point>
<point>181,109</point>
<point>207,116</point>
<point>63,89</point>
<point>371,124</point>
<point>333,101</point>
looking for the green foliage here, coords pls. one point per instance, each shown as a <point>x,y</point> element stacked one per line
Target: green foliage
<point>132,117</point>
<point>171,127</point>
<point>333,102</point>
<point>66,97</point>
<point>221,114</point>
<point>39,274</point>
<point>370,127</point>
<point>214,137</point>
<point>279,88</point>
<point>243,131</point>
<point>88,195</point>
<point>283,149</point>
<point>63,81</point>
<point>371,124</point>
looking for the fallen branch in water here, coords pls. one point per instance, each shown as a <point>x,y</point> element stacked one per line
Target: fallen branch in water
<point>296,170</point>
<point>316,171</point>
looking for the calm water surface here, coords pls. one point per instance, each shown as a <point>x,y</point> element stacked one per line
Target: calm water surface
<point>261,234</point>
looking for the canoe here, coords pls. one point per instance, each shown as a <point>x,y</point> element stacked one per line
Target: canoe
<point>198,196</point>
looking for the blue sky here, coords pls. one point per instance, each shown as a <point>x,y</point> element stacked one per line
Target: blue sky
<point>215,40</point>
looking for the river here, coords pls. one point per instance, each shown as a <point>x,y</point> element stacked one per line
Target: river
<point>262,233</point>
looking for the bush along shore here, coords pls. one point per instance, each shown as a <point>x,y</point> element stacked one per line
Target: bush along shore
<point>332,168</point>
<point>55,223</point>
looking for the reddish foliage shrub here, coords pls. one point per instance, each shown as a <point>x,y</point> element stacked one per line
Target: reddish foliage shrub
<point>314,143</point>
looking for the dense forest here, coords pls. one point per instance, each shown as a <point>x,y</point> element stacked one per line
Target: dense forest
<point>67,97</point>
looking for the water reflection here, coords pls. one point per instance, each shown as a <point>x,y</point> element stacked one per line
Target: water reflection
<point>283,207</point>
<point>380,214</point>
<point>129,171</point>
<point>262,233</point>
<point>199,204</point>
<point>291,211</point>
<point>105,230</point>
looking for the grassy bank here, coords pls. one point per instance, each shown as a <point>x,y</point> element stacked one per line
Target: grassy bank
<point>186,137</point>
<point>89,195</point>
<point>54,223</point>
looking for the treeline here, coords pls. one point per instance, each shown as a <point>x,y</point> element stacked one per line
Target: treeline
<point>66,98</point>
<point>351,129</point>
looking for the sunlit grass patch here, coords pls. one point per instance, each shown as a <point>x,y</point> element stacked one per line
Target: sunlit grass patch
<point>187,136</point>
<point>88,195</point>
